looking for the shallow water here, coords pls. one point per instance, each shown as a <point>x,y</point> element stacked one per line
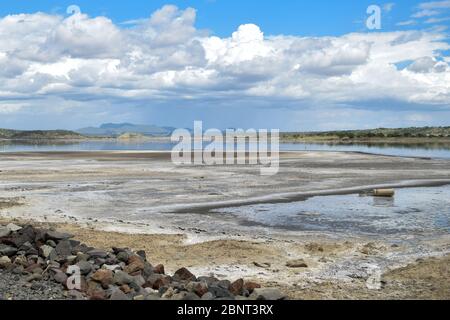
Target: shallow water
<point>413,211</point>
<point>429,150</point>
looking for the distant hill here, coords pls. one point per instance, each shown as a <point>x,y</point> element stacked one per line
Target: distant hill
<point>380,133</point>
<point>39,134</point>
<point>118,129</point>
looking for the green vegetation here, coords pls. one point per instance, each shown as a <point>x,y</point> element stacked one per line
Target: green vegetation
<point>7,134</point>
<point>372,134</point>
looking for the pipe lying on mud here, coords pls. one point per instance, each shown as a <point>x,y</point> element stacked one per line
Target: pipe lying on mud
<point>388,193</point>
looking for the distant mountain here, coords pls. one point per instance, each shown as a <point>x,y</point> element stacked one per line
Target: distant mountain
<point>8,134</point>
<point>117,129</point>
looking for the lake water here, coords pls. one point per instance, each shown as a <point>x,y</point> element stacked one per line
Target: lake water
<point>429,150</point>
<point>420,211</point>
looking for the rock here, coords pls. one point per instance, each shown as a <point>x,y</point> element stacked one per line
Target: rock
<point>118,295</point>
<point>139,298</point>
<point>46,251</point>
<point>97,253</point>
<point>208,296</point>
<point>159,269</point>
<point>156,281</point>
<point>51,243</point>
<point>251,286</point>
<point>298,263</point>
<point>7,250</point>
<point>5,262</point>
<point>33,277</point>
<point>64,248</point>
<point>237,287</point>
<point>97,294</point>
<point>21,261</point>
<point>225,284</point>
<point>125,288</point>
<point>57,236</point>
<point>184,274</point>
<point>270,294</point>
<point>135,263</point>
<point>199,288</point>
<point>4,232</point>
<point>142,254</point>
<point>13,227</point>
<point>111,267</point>
<point>121,278</point>
<point>220,292</point>
<point>75,295</point>
<point>60,277</point>
<point>85,267</point>
<point>122,256</point>
<point>105,277</point>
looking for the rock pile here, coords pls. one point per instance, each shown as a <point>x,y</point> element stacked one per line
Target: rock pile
<point>88,273</point>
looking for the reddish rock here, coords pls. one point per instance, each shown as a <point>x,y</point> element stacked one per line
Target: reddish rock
<point>199,288</point>
<point>135,263</point>
<point>125,288</point>
<point>159,269</point>
<point>251,286</point>
<point>105,277</point>
<point>31,267</point>
<point>237,287</point>
<point>184,274</point>
<point>156,281</point>
<point>97,295</point>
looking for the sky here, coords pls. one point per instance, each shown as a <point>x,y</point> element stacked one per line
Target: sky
<point>289,65</point>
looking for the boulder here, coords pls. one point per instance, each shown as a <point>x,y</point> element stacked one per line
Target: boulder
<point>135,263</point>
<point>57,236</point>
<point>97,253</point>
<point>4,232</point>
<point>118,295</point>
<point>13,227</point>
<point>85,267</point>
<point>6,250</point>
<point>5,262</point>
<point>251,286</point>
<point>199,288</point>
<point>46,251</point>
<point>64,248</point>
<point>159,269</point>
<point>105,277</point>
<point>184,274</point>
<point>121,278</point>
<point>237,287</point>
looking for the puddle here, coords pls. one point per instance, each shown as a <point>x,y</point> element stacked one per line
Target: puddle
<point>413,211</point>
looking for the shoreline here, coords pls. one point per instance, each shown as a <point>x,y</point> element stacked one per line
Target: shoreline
<point>329,272</point>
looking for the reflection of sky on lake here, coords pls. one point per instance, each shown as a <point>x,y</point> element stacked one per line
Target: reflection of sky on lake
<point>431,150</point>
<point>412,211</point>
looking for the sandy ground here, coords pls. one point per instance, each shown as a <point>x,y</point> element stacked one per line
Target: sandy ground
<point>128,199</point>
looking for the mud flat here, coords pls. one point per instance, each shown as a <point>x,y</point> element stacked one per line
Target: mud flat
<point>141,200</point>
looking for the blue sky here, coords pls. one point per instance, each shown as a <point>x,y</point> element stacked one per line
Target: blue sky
<point>222,17</point>
<point>293,65</point>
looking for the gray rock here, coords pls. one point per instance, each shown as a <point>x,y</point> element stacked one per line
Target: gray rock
<point>7,250</point>
<point>85,267</point>
<point>97,254</point>
<point>121,278</point>
<point>270,294</point>
<point>4,232</point>
<point>60,277</point>
<point>13,227</point>
<point>220,292</point>
<point>298,263</point>
<point>46,251</point>
<point>57,236</point>
<point>118,295</point>
<point>64,248</point>
<point>122,256</point>
<point>33,277</point>
<point>51,243</point>
<point>208,296</point>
